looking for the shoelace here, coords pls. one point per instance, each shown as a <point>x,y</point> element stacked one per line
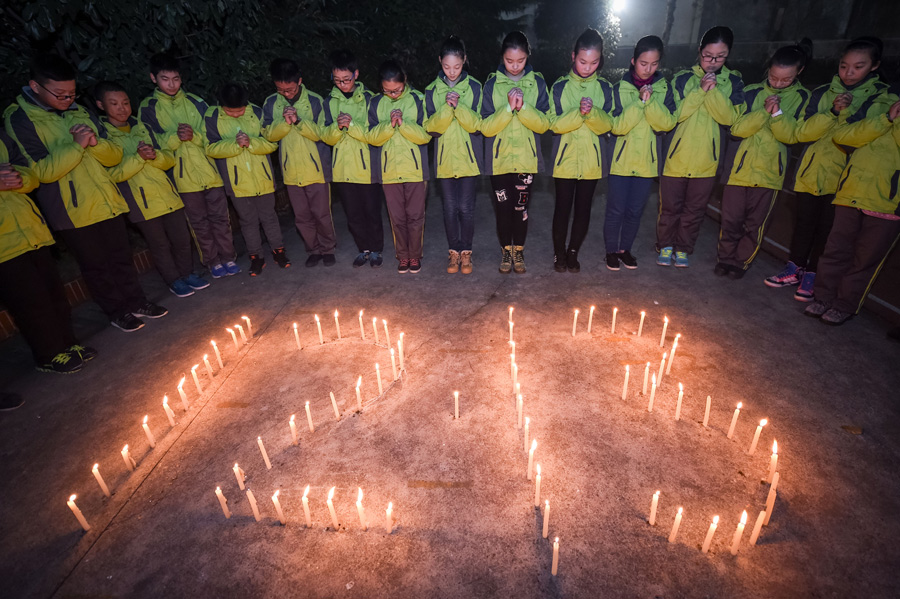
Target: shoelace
<point>61,358</point>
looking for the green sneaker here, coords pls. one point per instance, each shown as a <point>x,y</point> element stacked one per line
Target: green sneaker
<point>63,363</point>
<point>681,260</point>
<point>665,257</point>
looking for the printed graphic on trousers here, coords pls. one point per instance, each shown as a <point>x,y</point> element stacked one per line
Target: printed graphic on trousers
<point>501,195</point>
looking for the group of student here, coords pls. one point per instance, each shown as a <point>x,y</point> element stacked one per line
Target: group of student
<point>171,169</point>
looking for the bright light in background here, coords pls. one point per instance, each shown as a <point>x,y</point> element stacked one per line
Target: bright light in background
<point>618,6</point>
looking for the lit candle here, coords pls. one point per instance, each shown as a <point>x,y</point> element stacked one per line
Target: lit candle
<point>388,518</point>
<point>754,536</point>
<point>773,463</point>
<point>319,326</point>
<point>223,502</point>
<point>736,539</point>
<point>546,526</point>
<point>239,475</point>
<point>456,405</point>
<point>511,330</point>
<point>78,515</point>
<point>129,461</point>
<point>337,414</point>
<point>676,525</point>
<point>753,443</point>
<point>297,336</point>
<point>531,458</point>
<point>150,438</point>
<point>625,385</point>
<point>169,413</point>
<point>361,511</point>
<point>646,378</point>
<point>387,334</point>
<point>591,318</point>
<point>518,388</point>
<point>652,394</point>
<point>378,376</point>
<point>249,327</point>
<point>219,356</point>
<point>510,313</point>
<point>554,567</point>
<point>662,338</point>
<point>96,472</point>
<point>515,376</point>
<point>654,503</point>
<point>519,406</point>
<point>184,400</point>
<point>612,329</point>
<point>770,500</point>
<point>305,501</point>
<point>362,329</point>
<point>334,520</point>
<point>512,351</point>
<point>525,445</point>
<point>400,350</point>
<point>706,414</point>
<point>358,396</point>
<point>393,364</point>
<point>375,329</point>
<point>662,366</point>
<point>309,421</point>
<point>537,486</point>
<point>196,379</point>
<point>278,507</point>
<point>241,331</point>
<point>641,324</point>
<point>678,403</point>
<point>233,338</point>
<point>512,364</point>
<point>294,439</point>
<point>337,324</point>
<point>253,506</point>
<point>709,534</point>
<point>262,450</point>
<point>208,366</point>
<point>737,412</point>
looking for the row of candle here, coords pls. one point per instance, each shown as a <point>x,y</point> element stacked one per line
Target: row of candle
<point>612,327</point>
<point>362,333</point>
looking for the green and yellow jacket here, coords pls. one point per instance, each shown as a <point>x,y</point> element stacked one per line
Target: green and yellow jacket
<point>577,146</point>
<point>704,119</point>
<point>247,172</point>
<point>305,158</point>
<point>459,149</point>
<point>639,127</point>
<point>22,228</point>
<point>75,191</point>
<point>512,139</point>
<point>404,149</point>
<point>161,114</point>
<point>353,160</point>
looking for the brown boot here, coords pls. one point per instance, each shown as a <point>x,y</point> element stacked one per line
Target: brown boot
<point>453,264</point>
<point>506,260</point>
<point>466,262</point>
<point>519,259</point>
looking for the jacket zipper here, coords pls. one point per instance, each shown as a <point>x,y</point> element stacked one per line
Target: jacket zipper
<point>384,169</point>
<point>675,149</point>
<point>780,165</point>
<point>413,152</point>
<point>597,153</point>
<point>622,149</point>
<point>144,197</point>
<point>531,143</point>
<point>469,151</point>
<point>181,168</point>
<point>561,154</point>
<point>266,171</point>
<point>334,157</point>
<point>715,156</point>
<point>73,194</point>
<point>844,180</point>
<point>743,156</point>
<point>811,158</point>
<point>235,175</point>
<point>497,149</point>
<point>441,158</point>
<point>315,164</point>
<point>363,158</point>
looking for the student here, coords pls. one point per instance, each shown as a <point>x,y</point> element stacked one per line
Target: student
<point>514,108</point>
<point>356,171</point>
<point>453,102</point>
<point>709,99</point>
<point>765,129</point>
<point>395,124</point>
<point>850,97</point>
<point>68,149</point>
<point>643,109</point>
<point>235,141</point>
<point>581,104</point>
<point>866,217</point>
<point>292,118</point>
<point>30,287</point>
<point>154,206</point>
<point>175,117</point>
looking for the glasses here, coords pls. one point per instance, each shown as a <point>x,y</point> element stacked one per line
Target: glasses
<point>61,98</point>
<point>346,81</point>
<point>392,92</point>
<point>709,58</point>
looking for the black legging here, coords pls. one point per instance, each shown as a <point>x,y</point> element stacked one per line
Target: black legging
<point>815,214</point>
<point>511,194</point>
<point>579,192</point>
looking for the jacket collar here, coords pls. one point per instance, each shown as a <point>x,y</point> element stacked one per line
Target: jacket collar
<point>769,90</point>
<point>867,85</point>
<point>573,76</point>
<point>358,93</point>
<point>629,76</point>
<point>462,77</point>
<point>501,72</point>
<point>163,96</point>
<point>29,97</point>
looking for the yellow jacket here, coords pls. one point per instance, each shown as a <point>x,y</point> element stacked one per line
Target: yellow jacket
<point>305,158</point>
<point>404,149</point>
<point>246,171</point>
<point>22,228</point>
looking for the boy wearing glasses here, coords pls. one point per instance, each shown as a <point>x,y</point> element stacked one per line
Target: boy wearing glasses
<point>68,148</point>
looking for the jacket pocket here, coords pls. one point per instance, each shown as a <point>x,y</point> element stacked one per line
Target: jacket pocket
<point>597,154</point>
<point>384,167</point>
<point>415,160</point>
<point>363,158</point>
<point>561,154</point>
<point>441,158</point>
<point>780,165</point>
<point>715,155</point>
<point>744,156</point>
<point>811,158</point>
<point>675,149</point>
<point>894,181</point>
<point>622,149</point>
<point>180,167</point>
<point>73,194</point>
<point>235,182</point>
<point>266,171</point>
<point>334,157</point>
<point>316,164</point>
<point>531,143</point>
<point>846,176</point>
<point>469,151</point>
<point>144,198</point>
<point>497,149</point>
<point>284,163</point>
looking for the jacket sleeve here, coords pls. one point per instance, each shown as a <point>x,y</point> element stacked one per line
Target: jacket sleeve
<point>261,146</point>
<point>30,180</point>
<point>439,121</point>
<point>493,121</point>
<point>414,132</point>
<point>862,132</point>
<point>309,129</point>
<point>130,165</point>
<point>166,139</point>
<point>721,109</point>
<point>106,152</point>
<point>535,117</point>
<point>660,114</point>
<point>380,133</point>
<point>49,164</point>
<point>688,105</point>
<point>276,131</point>
<point>816,127</point>
<point>568,121</point>
<point>750,123</point>
<point>18,161</point>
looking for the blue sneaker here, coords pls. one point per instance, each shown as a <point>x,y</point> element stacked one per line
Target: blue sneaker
<point>218,271</point>
<point>181,289</point>
<point>375,259</point>
<point>806,291</point>
<point>665,257</point>
<point>231,268</point>
<point>790,275</point>
<point>195,282</point>
<point>681,260</point>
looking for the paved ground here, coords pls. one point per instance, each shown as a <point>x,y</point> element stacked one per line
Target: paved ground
<point>465,524</point>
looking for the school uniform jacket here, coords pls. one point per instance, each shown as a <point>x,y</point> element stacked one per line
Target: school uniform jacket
<point>639,128</point>
<point>459,149</point>
<point>577,146</point>
<point>305,158</point>
<point>22,228</point>
<point>353,160</point>
<point>404,149</point>
<point>247,172</point>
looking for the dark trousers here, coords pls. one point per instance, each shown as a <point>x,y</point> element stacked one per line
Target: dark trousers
<point>31,290</point>
<point>815,214</point>
<point>362,205</point>
<point>745,214</point>
<point>254,212</point>
<point>625,202</point>
<point>682,206</point>
<point>854,254</point>
<point>169,241</point>
<point>207,213</point>
<point>105,259</point>
<point>580,194</point>
<point>459,211</point>
<point>511,194</point>
<point>312,217</point>
<point>406,208</point>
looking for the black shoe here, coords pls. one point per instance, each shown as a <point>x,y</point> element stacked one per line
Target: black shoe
<point>149,310</point>
<point>127,322</point>
<point>257,264</point>
<point>627,260</point>
<point>63,363</point>
<point>10,402</point>
<point>361,259</point>
<point>572,261</point>
<point>559,263</point>
<point>86,353</point>
<point>736,273</point>
<point>721,269</point>
<point>328,259</point>
<point>612,261</point>
<point>376,259</point>
<point>313,259</point>
<point>415,265</point>
<point>281,258</point>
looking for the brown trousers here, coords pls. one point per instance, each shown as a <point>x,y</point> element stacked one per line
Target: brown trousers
<point>207,213</point>
<point>312,217</point>
<point>745,214</point>
<point>406,207</point>
<point>682,206</point>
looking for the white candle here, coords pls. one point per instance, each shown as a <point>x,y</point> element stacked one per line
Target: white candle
<point>672,354</point>
<point>531,458</point>
<point>676,525</point>
<point>337,414</point>
<point>294,438</point>
<point>641,324</point>
<point>249,327</point>
<point>736,539</point>
<point>387,334</point>
<point>337,324</point>
<point>184,400</point>
<point>709,534</point>
<point>512,364</point>
<point>525,445</point>
<point>575,322</point>
<point>388,518</point>
<point>625,385</point>
<point>678,403</point>
<point>654,503</point>
<point>253,506</point>
<point>554,567</point>
<point>378,376</point>
<point>196,379</point>
<point>334,520</point>
<point>219,356</point>
<point>393,364</point>
<point>233,338</point>
<point>361,511</point>
<point>223,502</point>
<point>129,461</point>
<point>319,326</point>
<point>773,462</point>
<point>646,378</point>
<point>239,475</point>
<point>519,407</point>
<point>511,330</point>
<point>262,450</point>
<point>169,413</point>
<point>652,394</point>
<point>662,366</point>
<point>309,421</point>
<point>753,443</point>
<point>754,536</point>
<point>662,338</point>
<point>706,414</point>
<point>537,486</point>
<point>546,524</point>
<point>456,405</point>
<point>78,515</point>
<point>375,329</point>
<point>362,329</point>
<point>400,349</point>
<point>515,369</point>
<point>512,352</point>
<point>208,366</point>
<point>297,336</point>
<point>241,331</point>
<point>612,329</point>
<point>591,318</point>
<point>278,507</point>
<point>305,501</point>
<point>737,412</point>
<point>96,472</point>
<point>358,396</point>
<point>770,500</point>
<point>510,313</point>
<point>150,438</point>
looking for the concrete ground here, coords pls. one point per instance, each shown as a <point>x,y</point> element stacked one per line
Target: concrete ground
<point>465,524</point>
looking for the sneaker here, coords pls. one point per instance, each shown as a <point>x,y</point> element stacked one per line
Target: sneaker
<point>328,260</point>
<point>360,259</point>
<point>836,318</point>
<point>665,257</point>
<point>681,260</point>
<point>465,262</point>
<point>314,259</point>
<point>281,258</point>
<point>806,291</point>
<point>612,261</point>
<point>816,309</point>
<point>196,283</point>
<point>63,363</point>
<point>789,275</point>
<point>257,264</point>
<point>231,268</point>
<point>181,289</point>
<point>87,353</point>
<point>149,310</point>
<point>559,263</point>
<point>127,322</point>
<point>453,262</point>
<point>572,261</point>
<point>627,260</point>
<point>403,267</point>
<point>518,256</point>
<point>376,259</point>
<point>415,265</point>
<point>10,402</point>
<point>736,273</point>
<point>506,260</point>
<point>721,269</point>
<point>218,271</point>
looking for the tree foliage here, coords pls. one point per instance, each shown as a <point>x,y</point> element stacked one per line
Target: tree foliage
<point>558,23</point>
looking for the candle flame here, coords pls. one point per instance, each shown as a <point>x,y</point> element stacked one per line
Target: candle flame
<point>680,510</point>
<point>744,517</point>
<point>145,419</point>
<point>538,469</point>
<point>335,313</point>
<point>317,317</point>
<point>374,320</point>
<point>229,330</point>
<point>680,387</point>
<point>205,356</point>
<point>654,378</point>
<point>401,335</point>
<point>275,496</point>
<point>292,417</point>
<point>557,540</point>
<point>763,422</point>
<point>236,466</point>
<point>740,405</point>
<point>165,400</point>
<point>715,519</point>
<point>593,308</point>
<point>181,382</point>
<point>390,505</point>
<point>666,319</point>
<point>627,368</point>
<point>306,491</point>
<point>360,313</point>
<point>96,467</point>
<point>677,337</point>
<point>125,449</point>
<point>533,444</point>
<point>546,503</point>
<point>456,394</point>
<point>360,496</point>
<point>775,447</point>
<point>331,493</point>
<point>643,312</point>
<point>527,421</point>
<point>576,310</point>
<point>72,498</point>
<point>392,351</point>
<point>295,326</point>
<point>259,438</point>
<point>212,342</point>
<point>218,489</point>
<point>194,367</point>
<point>615,309</point>
<point>665,354</point>
<point>307,404</point>
<point>656,494</point>
<point>376,366</point>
